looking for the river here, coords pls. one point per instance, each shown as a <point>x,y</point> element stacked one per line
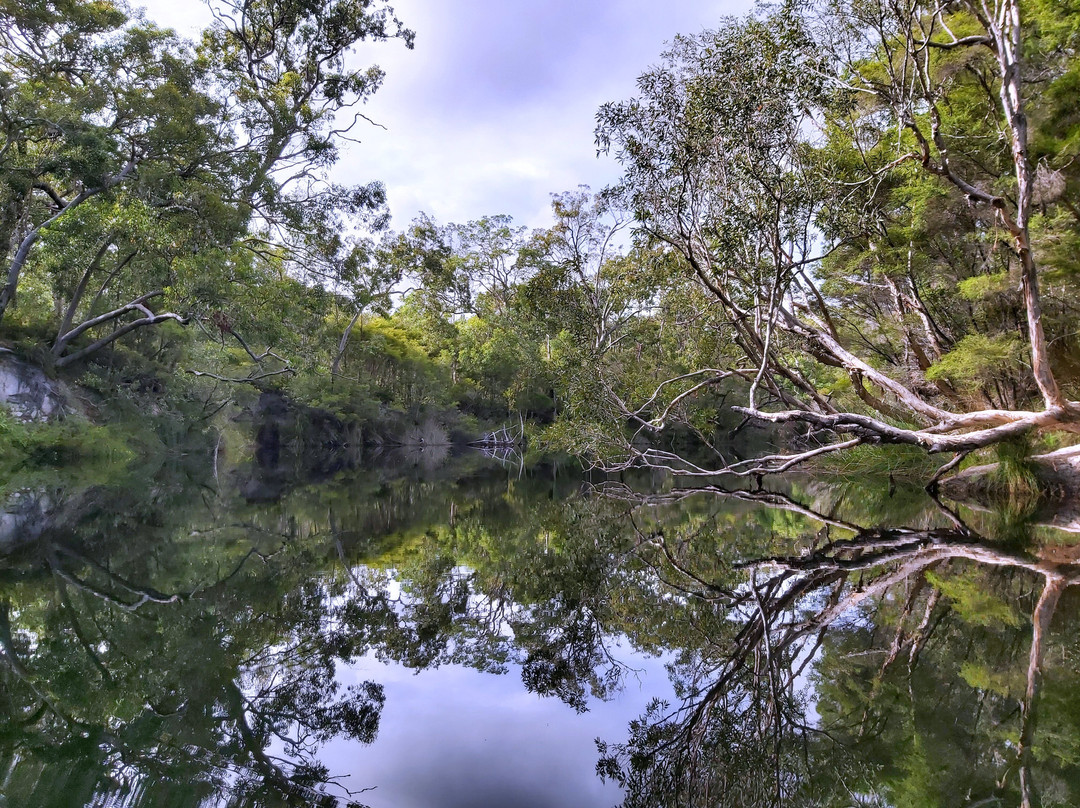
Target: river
<point>456,631</point>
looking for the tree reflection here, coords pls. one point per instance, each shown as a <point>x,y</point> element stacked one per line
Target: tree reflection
<point>157,642</point>
<point>151,640</point>
<point>109,653</point>
<point>812,688</point>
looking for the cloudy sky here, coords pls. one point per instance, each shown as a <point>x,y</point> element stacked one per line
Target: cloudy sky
<point>493,110</point>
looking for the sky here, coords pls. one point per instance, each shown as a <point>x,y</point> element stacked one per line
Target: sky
<point>493,111</point>
<point>455,737</point>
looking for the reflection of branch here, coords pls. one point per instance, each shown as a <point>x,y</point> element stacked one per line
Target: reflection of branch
<point>255,746</point>
<point>770,499</point>
<point>73,620</point>
<point>341,555</point>
<point>1040,625</point>
<point>770,666</point>
<point>146,594</point>
<point>8,653</point>
<point>236,571</point>
<point>782,618</point>
<point>108,597</point>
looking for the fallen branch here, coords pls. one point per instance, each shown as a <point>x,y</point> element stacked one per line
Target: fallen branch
<point>247,380</point>
<point>873,430</point>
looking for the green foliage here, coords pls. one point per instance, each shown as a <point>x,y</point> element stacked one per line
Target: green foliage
<point>1014,460</point>
<point>870,462</point>
<point>778,183</point>
<point>147,193</point>
<point>978,287</point>
<point>1015,491</point>
<point>27,448</point>
<point>982,677</point>
<point>973,601</point>
<point>978,360</point>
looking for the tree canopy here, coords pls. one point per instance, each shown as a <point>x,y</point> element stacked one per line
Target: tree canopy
<point>848,220</point>
<point>148,166</point>
<point>867,193</point>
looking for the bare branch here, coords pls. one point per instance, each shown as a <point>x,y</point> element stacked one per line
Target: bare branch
<point>244,380</point>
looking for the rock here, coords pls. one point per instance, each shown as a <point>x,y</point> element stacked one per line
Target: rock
<point>24,516</point>
<point>1058,476</point>
<point>28,393</point>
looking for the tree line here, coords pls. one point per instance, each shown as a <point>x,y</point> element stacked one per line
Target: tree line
<point>855,216</point>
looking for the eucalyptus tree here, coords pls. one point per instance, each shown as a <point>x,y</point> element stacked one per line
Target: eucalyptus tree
<point>89,100</point>
<point>467,299</point>
<point>369,277</point>
<point>595,300</point>
<point>764,154</point>
<point>580,283</point>
<point>464,269</point>
<point>285,76</point>
<point>141,162</point>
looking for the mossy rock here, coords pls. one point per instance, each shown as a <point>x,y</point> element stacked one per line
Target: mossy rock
<point>1054,490</point>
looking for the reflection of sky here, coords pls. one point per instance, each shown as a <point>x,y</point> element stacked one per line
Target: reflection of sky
<point>456,738</point>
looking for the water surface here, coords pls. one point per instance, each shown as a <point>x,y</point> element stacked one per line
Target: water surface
<point>464,633</point>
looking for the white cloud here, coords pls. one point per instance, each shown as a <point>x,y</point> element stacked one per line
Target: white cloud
<point>493,110</point>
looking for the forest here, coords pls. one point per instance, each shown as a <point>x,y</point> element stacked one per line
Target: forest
<point>850,223</point>
<point>767,453</point>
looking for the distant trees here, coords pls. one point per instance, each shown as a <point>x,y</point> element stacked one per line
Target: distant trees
<point>533,319</point>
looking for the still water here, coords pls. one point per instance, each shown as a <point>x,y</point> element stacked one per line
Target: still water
<point>465,633</point>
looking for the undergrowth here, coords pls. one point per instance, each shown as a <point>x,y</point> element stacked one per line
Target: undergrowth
<point>28,446</point>
<point>867,460</point>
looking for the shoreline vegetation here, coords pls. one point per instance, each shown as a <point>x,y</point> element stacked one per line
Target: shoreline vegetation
<point>845,236</point>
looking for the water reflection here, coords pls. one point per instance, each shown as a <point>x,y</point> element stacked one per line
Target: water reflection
<point>171,638</point>
<point>881,666</point>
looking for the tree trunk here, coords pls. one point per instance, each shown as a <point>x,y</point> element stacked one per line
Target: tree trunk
<point>80,290</point>
<point>7,293</point>
<point>344,343</point>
